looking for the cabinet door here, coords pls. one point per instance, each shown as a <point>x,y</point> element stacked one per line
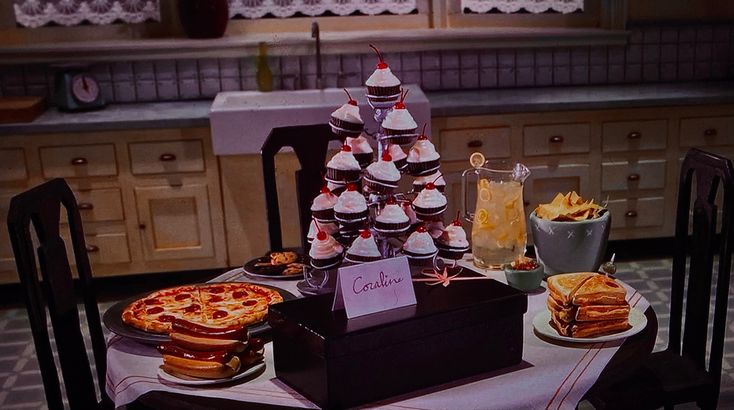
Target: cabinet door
<point>7,261</point>
<point>545,182</point>
<point>175,222</point>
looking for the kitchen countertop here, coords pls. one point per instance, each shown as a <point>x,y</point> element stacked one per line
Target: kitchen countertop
<point>443,103</point>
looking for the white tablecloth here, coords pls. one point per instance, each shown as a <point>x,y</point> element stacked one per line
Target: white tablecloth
<point>551,376</point>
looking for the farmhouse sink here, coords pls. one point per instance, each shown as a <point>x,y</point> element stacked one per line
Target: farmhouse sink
<point>241,120</point>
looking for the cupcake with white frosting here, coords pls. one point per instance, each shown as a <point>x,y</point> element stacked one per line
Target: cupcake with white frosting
<point>382,176</point>
<point>383,88</point>
<point>419,247</point>
<point>322,207</point>
<point>343,167</point>
<point>346,121</point>
<point>329,227</point>
<point>351,211</point>
<point>361,149</point>
<point>399,125</point>
<point>325,251</point>
<point>399,157</point>
<point>363,249</point>
<point>392,220</point>
<point>423,159</point>
<point>420,182</point>
<point>430,203</point>
<point>452,244</point>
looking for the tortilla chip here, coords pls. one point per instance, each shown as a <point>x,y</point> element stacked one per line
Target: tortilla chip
<point>569,207</point>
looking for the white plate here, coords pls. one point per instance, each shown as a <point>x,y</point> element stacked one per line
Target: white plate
<point>637,320</point>
<point>195,381</point>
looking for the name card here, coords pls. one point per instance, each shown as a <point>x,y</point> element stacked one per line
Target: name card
<point>374,287</point>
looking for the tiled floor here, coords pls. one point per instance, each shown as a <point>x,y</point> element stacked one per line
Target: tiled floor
<point>21,386</point>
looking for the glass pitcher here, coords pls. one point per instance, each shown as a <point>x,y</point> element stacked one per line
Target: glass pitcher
<point>498,233</point>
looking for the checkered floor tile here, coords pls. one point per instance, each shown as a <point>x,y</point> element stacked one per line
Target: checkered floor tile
<point>20,378</point>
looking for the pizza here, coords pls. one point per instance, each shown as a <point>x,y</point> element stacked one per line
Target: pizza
<point>216,304</point>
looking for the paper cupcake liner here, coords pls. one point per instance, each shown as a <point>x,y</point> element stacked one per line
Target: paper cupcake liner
<point>419,259</point>
<point>391,93</point>
<point>352,217</point>
<point>342,176</point>
<point>344,132</point>
<point>364,159</point>
<point>324,215</point>
<point>360,259</point>
<point>450,252</point>
<point>379,185</point>
<point>419,169</point>
<point>392,227</point>
<point>346,125</point>
<point>400,164</point>
<point>429,214</point>
<point>326,263</point>
<point>390,132</point>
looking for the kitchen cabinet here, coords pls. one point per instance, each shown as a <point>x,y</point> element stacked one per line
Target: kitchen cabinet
<point>150,200</point>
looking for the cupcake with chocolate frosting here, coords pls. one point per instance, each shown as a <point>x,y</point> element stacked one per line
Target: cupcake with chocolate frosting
<point>430,203</point>
<point>325,251</point>
<point>423,159</point>
<point>452,244</point>
<point>363,249</point>
<point>322,207</point>
<point>419,247</point>
<point>382,176</point>
<point>383,88</point>
<point>346,121</point>
<point>392,220</point>
<point>343,167</point>
<point>399,125</point>
<point>399,157</point>
<point>361,149</point>
<point>420,182</point>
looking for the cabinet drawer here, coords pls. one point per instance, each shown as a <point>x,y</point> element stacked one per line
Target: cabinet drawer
<point>637,212</point>
<point>78,161</point>
<point>12,165</point>
<point>457,145</point>
<point>102,248</point>
<point>545,182</point>
<point>166,157</point>
<point>647,174</point>
<point>634,135</point>
<point>98,205</point>
<point>696,132</point>
<point>555,139</point>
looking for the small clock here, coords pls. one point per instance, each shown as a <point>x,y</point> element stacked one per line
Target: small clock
<point>77,90</point>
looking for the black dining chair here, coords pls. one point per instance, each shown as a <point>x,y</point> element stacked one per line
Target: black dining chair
<point>310,143</point>
<point>682,373</point>
<point>41,207</point>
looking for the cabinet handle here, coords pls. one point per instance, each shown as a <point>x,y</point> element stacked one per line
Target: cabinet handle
<point>167,157</point>
<point>633,177</point>
<point>556,139</point>
<point>710,132</point>
<point>92,248</point>
<point>630,214</point>
<point>634,135</point>
<point>79,161</point>
<point>474,144</point>
<point>85,206</point>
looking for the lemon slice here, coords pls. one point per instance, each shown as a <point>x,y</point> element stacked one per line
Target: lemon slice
<point>482,217</point>
<point>484,183</point>
<point>477,160</point>
<point>484,194</point>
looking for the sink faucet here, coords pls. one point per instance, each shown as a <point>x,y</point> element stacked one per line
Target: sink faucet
<point>316,33</point>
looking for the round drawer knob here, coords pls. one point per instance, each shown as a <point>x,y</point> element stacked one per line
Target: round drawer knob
<point>92,248</point>
<point>630,214</point>
<point>85,206</point>
<point>556,139</point>
<point>710,132</point>
<point>474,144</point>
<point>633,177</point>
<point>167,157</point>
<point>634,135</point>
<point>79,161</point>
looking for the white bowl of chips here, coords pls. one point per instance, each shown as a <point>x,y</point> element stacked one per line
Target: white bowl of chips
<point>570,234</point>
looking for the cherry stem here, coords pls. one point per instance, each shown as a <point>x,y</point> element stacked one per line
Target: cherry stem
<point>379,54</point>
<point>458,214</point>
<point>348,96</point>
<point>423,131</point>
<point>317,225</point>
<point>403,94</point>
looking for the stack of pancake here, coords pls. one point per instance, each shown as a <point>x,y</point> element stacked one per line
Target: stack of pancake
<point>587,304</point>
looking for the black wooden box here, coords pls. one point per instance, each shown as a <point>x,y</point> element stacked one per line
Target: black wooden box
<point>467,328</point>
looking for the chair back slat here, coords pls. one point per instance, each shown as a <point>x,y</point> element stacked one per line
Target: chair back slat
<point>41,207</point>
<point>710,172</point>
<point>310,143</point>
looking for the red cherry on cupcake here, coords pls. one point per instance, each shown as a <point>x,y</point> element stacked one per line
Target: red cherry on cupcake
<point>430,185</point>
<point>422,229</point>
<point>350,101</point>
<point>365,233</point>
<point>423,135</point>
<point>346,148</point>
<point>321,236</point>
<point>391,201</point>
<point>386,156</point>
<point>400,105</point>
<point>457,221</point>
<point>351,187</point>
<point>325,190</point>
<point>382,64</point>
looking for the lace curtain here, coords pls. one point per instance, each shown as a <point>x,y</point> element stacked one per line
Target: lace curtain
<point>36,13</point>
<point>253,9</point>
<point>514,6</point>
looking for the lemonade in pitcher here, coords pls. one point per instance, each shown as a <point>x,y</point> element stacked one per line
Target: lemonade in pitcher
<point>499,233</point>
